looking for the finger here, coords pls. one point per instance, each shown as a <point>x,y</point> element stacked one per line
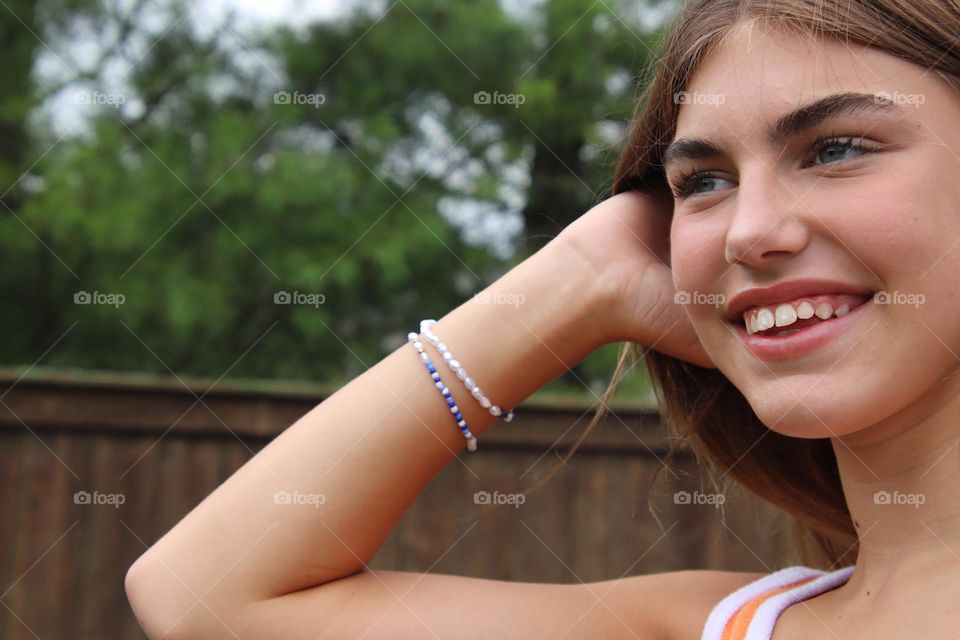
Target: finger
<point>651,214</point>
<point>664,325</point>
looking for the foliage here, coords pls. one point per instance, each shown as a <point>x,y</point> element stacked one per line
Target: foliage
<point>217,171</point>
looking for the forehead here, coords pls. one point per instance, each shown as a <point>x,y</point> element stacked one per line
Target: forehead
<point>759,73</point>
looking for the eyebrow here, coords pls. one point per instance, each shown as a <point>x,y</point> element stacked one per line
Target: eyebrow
<point>798,121</point>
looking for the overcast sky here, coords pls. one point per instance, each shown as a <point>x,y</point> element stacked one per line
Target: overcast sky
<point>273,11</point>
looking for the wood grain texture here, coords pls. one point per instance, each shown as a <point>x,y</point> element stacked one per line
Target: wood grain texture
<point>152,442</point>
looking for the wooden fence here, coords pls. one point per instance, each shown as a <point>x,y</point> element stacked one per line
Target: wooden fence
<point>96,467</point>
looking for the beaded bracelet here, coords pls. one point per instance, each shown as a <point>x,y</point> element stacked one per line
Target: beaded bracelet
<point>458,369</point>
<point>413,339</point>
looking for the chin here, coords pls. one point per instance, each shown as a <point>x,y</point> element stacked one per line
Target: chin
<point>811,418</point>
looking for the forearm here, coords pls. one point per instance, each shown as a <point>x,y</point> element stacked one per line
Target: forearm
<point>369,449</point>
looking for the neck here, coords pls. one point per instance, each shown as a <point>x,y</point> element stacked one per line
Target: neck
<point>901,481</point>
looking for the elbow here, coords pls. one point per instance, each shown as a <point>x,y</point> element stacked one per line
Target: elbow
<point>151,605</point>
<point>164,607</point>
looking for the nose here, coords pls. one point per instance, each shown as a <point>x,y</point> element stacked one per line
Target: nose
<point>768,223</point>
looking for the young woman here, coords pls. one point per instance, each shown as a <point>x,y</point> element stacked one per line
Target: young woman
<point>795,164</point>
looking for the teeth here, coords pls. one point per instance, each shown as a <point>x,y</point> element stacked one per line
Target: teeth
<point>764,319</point>
<point>785,314</point>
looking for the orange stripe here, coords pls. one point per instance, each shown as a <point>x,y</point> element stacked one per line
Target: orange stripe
<point>736,628</point>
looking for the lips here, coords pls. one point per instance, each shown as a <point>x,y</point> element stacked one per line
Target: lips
<point>800,312</point>
<point>798,342</point>
<point>789,291</point>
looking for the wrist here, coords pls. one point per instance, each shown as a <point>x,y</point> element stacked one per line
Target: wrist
<point>523,330</point>
<point>586,293</point>
<point>581,294</point>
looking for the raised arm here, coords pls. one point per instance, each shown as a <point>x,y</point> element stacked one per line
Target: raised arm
<point>242,565</point>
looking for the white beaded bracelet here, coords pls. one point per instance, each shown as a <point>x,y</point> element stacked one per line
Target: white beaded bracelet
<point>457,368</point>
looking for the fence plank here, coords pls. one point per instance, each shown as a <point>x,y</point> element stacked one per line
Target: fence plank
<point>148,440</point>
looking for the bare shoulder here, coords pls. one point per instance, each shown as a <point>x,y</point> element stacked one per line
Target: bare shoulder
<point>686,598</point>
<point>396,605</point>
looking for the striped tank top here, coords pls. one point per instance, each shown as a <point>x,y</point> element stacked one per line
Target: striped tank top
<point>750,612</point>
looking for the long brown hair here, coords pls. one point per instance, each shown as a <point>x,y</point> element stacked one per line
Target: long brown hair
<point>703,408</point>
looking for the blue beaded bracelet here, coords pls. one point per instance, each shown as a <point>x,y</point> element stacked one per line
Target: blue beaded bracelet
<point>414,339</point>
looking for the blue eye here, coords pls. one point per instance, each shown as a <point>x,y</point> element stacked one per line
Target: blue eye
<point>686,183</point>
<point>844,144</point>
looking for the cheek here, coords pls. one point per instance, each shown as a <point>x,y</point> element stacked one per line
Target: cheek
<point>696,253</point>
<point>902,218</point>
<point>877,236</point>
<point>697,262</point>
<point>903,232</point>
<point>913,245</point>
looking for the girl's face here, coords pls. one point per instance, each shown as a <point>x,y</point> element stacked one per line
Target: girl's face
<point>877,208</point>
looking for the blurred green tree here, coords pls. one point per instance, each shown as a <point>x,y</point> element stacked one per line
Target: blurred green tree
<point>373,170</point>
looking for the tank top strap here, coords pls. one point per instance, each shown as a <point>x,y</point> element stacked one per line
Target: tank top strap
<point>750,612</point>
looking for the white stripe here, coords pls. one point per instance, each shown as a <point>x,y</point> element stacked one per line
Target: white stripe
<point>761,627</point>
<point>721,614</point>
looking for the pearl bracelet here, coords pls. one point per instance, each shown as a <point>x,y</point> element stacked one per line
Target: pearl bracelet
<point>457,368</point>
<point>414,339</point>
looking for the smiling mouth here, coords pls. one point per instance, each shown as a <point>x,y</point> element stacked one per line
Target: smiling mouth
<point>787,318</point>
